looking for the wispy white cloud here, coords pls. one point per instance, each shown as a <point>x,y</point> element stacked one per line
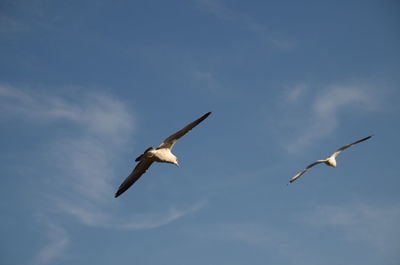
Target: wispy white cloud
<point>295,93</point>
<point>58,242</point>
<point>328,103</point>
<point>281,43</point>
<point>159,219</point>
<point>320,111</point>
<point>91,215</point>
<point>99,216</point>
<point>96,113</point>
<point>218,9</point>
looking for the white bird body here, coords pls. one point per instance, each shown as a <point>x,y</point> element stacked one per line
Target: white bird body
<point>330,161</point>
<point>163,155</point>
<point>160,154</point>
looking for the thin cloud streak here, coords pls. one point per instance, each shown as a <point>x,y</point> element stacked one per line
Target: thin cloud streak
<point>91,216</point>
<point>222,12</point>
<point>56,247</point>
<point>295,93</point>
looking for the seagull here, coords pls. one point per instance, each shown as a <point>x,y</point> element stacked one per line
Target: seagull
<point>330,161</point>
<point>160,154</point>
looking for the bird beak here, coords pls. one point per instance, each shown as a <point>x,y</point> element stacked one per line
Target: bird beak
<point>177,164</point>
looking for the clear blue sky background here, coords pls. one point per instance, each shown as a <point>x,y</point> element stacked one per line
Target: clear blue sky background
<point>86,86</point>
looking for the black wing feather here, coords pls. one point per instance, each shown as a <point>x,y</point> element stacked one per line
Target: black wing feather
<point>136,173</point>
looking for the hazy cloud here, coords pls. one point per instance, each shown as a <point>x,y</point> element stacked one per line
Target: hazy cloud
<point>322,113</point>
<point>89,215</point>
<point>369,223</point>
<point>97,113</point>
<point>82,182</point>
<point>58,242</point>
<point>295,93</point>
<point>221,11</point>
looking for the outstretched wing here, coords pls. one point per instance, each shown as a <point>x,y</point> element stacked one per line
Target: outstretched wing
<point>349,145</point>
<point>137,172</point>
<point>298,175</point>
<point>171,140</point>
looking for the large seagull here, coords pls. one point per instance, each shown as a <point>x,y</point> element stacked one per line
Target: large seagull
<point>330,161</point>
<point>160,154</point>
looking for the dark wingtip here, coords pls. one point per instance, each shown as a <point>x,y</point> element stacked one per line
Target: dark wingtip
<point>117,194</point>
<point>202,118</point>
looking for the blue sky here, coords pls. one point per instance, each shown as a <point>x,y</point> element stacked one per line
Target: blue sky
<point>87,86</point>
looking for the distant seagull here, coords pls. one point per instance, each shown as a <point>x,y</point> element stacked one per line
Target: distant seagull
<point>330,161</point>
<point>160,154</point>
